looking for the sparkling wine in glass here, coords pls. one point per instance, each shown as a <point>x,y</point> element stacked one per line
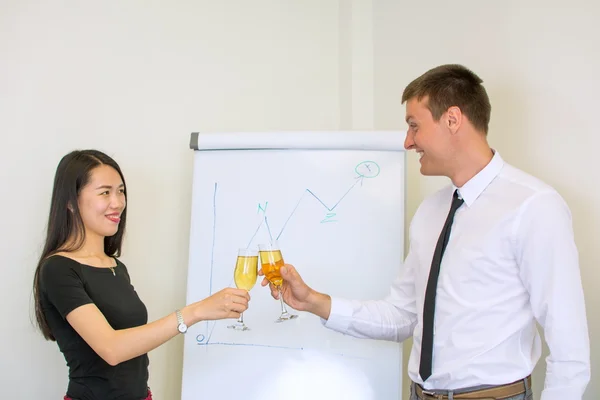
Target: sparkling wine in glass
<point>271,262</point>
<point>244,276</point>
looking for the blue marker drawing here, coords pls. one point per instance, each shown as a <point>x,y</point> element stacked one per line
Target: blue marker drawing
<point>200,340</point>
<point>264,210</point>
<point>319,200</point>
<point>364,170</point>
<point>367,169</point>
<point>212,251</point>
<point>268,228</point>
<point>255,232</point>
<point>260,207</point>
<point>200,343</point>
<point>328,218</point>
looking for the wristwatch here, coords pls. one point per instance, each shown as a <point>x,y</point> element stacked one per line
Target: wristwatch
<point>181,326</point>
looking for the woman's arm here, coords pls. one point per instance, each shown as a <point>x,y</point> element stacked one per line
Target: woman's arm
<point>116,346</point>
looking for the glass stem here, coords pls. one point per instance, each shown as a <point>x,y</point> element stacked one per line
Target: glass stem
<point>283,309</point>
<point>241,319</point>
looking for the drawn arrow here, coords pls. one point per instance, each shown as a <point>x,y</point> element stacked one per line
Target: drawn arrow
<point>359,179</point>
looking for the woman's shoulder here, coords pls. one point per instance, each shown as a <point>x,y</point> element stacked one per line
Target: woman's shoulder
<point>121,265</point>
<point>118,260</point>
<point>57,268</point>
<point>59,260</point>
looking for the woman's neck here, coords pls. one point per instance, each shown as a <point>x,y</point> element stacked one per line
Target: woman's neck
<point>92,247</point>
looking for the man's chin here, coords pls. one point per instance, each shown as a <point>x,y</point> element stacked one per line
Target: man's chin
<point>425,171</point>
<point>429,171</point>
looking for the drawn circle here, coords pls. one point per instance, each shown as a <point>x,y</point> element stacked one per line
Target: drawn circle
<point>367,169</point>
<point>200,338</point>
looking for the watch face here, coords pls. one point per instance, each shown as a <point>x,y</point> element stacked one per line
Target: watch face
<point>182,328</point>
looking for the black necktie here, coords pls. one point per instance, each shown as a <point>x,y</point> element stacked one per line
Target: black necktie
<point>429,306</point>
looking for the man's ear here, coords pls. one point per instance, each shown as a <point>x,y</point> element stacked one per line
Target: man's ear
<point>453,119</point>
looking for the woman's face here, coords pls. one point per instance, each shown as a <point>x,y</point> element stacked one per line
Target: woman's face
<point>102,201</point>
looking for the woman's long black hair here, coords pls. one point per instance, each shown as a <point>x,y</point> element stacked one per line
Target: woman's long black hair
<point>65,223</point>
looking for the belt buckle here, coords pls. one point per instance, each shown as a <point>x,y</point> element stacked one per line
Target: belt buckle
<point>431,394</point>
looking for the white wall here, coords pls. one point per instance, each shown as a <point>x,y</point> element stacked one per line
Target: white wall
<point>539,61</point>
<point>135,78</point>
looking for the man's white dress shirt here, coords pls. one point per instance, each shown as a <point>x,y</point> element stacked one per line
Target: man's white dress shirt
<point>511,260</point>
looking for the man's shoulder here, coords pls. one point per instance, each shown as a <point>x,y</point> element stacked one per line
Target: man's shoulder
<point>518,178</point>
<point>522,188</point>
<point>444,194</point>
<point>431,203</point>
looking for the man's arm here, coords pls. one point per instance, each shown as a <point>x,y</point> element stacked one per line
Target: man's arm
<point>549,264</point>
<point>393,318</point>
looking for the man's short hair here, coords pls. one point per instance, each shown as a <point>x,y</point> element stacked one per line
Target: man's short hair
<point>452,85</point>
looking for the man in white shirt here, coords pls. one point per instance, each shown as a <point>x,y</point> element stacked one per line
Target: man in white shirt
<point>508,258</point>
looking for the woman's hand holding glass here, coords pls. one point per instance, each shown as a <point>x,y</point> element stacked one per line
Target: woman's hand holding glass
<point>244,276</point>
<point>226,303</point>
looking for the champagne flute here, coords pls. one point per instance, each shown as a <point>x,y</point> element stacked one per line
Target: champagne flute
<point>244,275</point>
<point>271,261</point>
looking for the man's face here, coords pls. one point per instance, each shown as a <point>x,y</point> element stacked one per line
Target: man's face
<point>430,139</point>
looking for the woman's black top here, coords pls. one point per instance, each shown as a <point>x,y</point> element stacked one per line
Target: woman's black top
<point>66,284</point>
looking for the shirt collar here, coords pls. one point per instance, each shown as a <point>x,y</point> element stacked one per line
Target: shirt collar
<point>471,190</point>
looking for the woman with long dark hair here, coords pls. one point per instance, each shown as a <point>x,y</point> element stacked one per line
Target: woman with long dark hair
<point>84,299</point>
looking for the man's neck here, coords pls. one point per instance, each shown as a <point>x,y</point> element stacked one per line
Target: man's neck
<point>470,162</point>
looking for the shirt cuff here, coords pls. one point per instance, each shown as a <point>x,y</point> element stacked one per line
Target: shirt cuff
<point>340,315</point>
